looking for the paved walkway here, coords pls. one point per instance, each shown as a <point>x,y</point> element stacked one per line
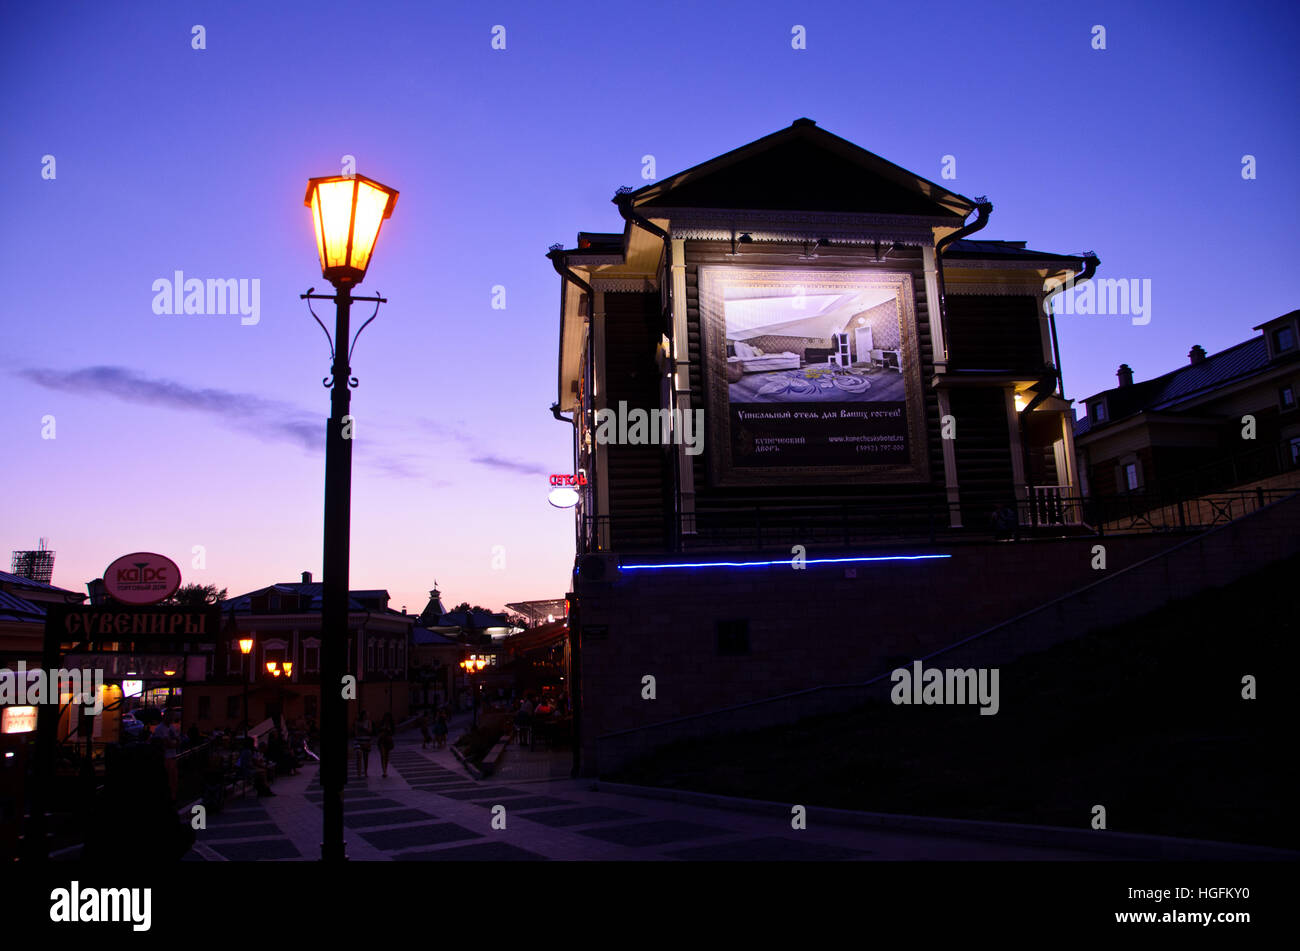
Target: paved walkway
<point>429,809</point>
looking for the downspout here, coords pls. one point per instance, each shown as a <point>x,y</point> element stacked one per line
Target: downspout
<point>983,208</point>
<point>562,268</point>
<point>1051,382</point>
<point>623,200</point>
<point>1090,264</point>
<point>566,273</point>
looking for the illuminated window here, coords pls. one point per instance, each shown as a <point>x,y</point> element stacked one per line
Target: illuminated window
<point>1286,397</point>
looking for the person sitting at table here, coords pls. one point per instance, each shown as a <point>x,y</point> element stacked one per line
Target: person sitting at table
<point>252,766</point>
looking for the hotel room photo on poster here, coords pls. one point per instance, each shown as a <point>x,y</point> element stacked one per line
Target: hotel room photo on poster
<point>812,373</point>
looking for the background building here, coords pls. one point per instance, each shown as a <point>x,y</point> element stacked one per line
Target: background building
<point>1182,433</point>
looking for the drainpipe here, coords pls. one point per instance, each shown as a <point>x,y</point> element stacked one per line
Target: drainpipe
<point>983,208</point>
<point>623,199</point>
<point>1090,264</point>
<point>1051,381</point>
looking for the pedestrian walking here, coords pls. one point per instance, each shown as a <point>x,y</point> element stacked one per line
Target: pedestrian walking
<point>424,731</point>
<point>385,741</point>
<point>440,731</point>
<point>363,735</point>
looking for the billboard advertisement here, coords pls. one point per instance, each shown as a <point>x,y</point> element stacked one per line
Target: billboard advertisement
<point>813,376</point>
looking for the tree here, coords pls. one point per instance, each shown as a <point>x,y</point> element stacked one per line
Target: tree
<point>197,596</point>
<point>464,606</point>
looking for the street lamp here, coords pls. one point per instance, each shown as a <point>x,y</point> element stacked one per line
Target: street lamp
<point>347,212</point>
<point>245,648</point>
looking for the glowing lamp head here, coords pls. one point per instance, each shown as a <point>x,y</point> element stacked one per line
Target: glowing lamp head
<point>347,211</point>
<point>273,668</point>
<point>288,668</point>
<point>245,645</point>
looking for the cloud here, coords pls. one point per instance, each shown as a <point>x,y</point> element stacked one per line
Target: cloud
<point>268,419</point>
<point>509,465</point>
<point>255,415</point>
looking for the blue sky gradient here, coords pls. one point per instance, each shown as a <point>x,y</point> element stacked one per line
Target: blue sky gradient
<point>177,431</point>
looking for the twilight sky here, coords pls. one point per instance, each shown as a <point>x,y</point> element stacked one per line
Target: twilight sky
<point>177,431</point>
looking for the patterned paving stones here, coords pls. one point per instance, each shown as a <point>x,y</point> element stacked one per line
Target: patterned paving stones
<point>643,834</point>
<point>428,809</point>
<point>580,815</point>
<point>394,839</point>
<point>482,852</point>
<point>390,817</point>
<point>261,850</point>
<point>528,802</point>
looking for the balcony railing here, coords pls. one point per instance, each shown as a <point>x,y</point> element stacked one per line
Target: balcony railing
<point>1045,511</point>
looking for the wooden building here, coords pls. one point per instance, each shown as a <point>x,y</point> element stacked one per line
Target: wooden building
<point>795,347</point>
<point>802,224</point>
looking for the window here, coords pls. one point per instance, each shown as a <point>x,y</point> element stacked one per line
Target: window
<point>234,707</point>
<point>1284,339</point>
<point>1295,451</point>
<point>1098,412</point>
<point>205,708</point>
<point>733,637</point>
<point>275,604</point>
<point>1286,397</point>
<point>1131,476</point>
<point>311,657</point>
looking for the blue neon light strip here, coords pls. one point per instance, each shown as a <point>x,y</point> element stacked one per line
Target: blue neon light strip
<point>785,561</point>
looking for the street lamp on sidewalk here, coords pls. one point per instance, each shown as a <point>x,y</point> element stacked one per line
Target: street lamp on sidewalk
<point>347,212</point>
<point>245,648</point>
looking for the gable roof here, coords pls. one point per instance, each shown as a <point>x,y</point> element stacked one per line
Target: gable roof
<point>803,168</point>
<point>1171,390</point>
<point>311,593</point>
<point>15,608</point>
<point>425,637</point>
<point>985,250</point>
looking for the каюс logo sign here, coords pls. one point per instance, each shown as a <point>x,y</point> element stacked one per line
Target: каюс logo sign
<point>142,578</point>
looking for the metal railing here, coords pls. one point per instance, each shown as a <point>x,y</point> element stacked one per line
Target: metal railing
<point>1044,511</point>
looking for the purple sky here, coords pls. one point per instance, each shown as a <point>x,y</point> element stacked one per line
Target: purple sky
<point>177,431</point>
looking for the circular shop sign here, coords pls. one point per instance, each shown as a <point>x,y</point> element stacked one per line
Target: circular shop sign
<point>563,498</point>
<point>142,578</point>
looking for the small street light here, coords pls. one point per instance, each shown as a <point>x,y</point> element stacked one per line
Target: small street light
<point>347,212</point>
<point>245,648</point>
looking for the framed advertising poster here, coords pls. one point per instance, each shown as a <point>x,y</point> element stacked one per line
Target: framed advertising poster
<point>812,376</point>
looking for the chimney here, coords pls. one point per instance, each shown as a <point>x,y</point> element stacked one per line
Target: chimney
<point>1196,354</point>
<point>306,577</point>
<point>1125,374</point>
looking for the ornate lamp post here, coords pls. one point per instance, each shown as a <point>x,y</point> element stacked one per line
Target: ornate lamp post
<point>347,212</point>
